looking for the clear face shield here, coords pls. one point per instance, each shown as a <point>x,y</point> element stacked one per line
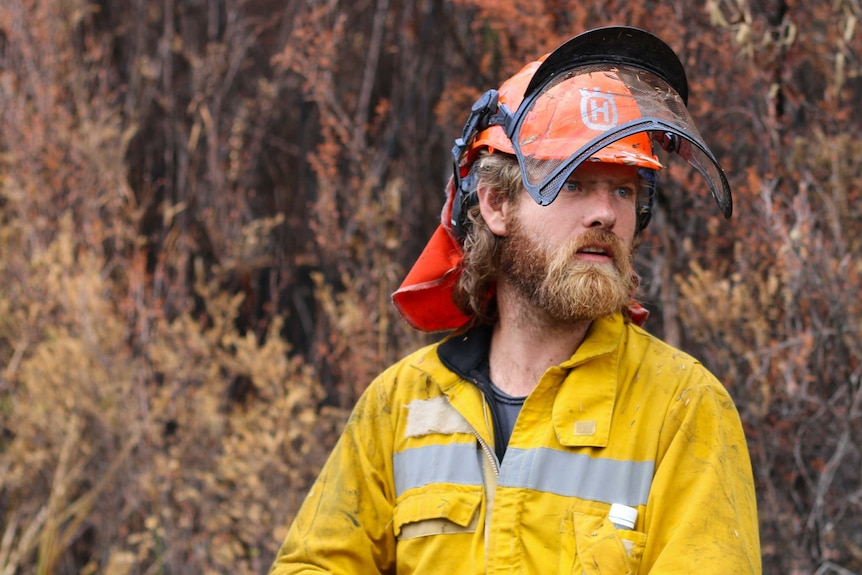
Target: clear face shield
<point>615,94</point>
<point>610,113</point>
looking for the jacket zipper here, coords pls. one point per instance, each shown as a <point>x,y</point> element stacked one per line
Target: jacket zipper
<point>490,483</point>
<point>489,453</point>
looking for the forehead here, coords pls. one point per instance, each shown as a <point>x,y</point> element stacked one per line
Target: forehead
<point>604,171</point>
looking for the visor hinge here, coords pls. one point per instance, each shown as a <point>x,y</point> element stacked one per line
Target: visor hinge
<point>481,114</point>
<point>484,113</point>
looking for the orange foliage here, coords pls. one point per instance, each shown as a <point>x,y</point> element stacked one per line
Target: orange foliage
<point>205,206</point>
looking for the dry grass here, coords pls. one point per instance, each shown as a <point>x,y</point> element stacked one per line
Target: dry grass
<point>204,207</point>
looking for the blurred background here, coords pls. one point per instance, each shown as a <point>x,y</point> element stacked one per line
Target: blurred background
<point>206,204</point>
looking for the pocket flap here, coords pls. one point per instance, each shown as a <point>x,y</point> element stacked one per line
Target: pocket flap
<point>434,513</point>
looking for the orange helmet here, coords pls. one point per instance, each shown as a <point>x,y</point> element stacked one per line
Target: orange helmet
<point>606,95</point>
<point>569,119</point>
<point>613,94</point>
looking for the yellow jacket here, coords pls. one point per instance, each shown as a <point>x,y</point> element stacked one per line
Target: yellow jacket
<point>413,485</point>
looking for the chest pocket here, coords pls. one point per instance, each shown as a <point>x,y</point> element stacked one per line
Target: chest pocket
<point>428,514</point>
<point>592,545</point>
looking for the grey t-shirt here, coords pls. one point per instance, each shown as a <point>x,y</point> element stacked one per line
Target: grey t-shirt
<point>510,407</point>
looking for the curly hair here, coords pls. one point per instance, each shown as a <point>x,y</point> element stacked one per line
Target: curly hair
<point>479,267</point>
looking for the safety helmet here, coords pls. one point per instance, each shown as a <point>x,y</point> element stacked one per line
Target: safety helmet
<point>615,94</point>
<point>606,95</point>
<point>594,101</point>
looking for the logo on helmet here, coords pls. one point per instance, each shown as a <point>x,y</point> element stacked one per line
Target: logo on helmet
<point>598,109</point>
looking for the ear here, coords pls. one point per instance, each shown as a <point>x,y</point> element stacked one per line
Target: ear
<point>494,209</point>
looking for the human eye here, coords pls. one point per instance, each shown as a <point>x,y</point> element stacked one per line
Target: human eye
<point>571,186</point>
<point>625,192</point>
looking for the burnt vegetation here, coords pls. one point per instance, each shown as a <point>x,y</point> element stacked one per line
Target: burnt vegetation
<point>205,205</point>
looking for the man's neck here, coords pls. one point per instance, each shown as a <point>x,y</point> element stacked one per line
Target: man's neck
<point>525,343</point>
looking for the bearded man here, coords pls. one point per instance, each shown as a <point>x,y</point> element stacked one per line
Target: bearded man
<point>548,433</point>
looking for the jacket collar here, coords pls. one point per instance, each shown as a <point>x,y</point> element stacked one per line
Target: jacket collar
<point>582,389</point>
<point>467,353</point>
<point>587,394</point>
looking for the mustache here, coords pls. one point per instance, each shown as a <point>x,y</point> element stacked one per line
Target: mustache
<point>609,241</point>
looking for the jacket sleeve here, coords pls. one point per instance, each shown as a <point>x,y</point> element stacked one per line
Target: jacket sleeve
<point>344,526</point>
<point>702,512</point>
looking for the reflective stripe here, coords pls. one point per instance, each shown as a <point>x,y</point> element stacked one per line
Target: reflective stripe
<point>542,469</point>
<point>457,463</point>
<point>578,475</point>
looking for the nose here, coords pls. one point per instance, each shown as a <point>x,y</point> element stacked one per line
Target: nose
<point>600,212</point>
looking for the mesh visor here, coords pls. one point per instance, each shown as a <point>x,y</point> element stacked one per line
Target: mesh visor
<point>618,115</point>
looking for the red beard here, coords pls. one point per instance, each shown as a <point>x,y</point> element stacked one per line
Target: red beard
<point>565,288</point>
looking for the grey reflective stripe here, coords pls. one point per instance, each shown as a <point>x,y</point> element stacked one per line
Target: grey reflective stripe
<point>450,463</point>
<point>542,469</point>
<point>577,475</point>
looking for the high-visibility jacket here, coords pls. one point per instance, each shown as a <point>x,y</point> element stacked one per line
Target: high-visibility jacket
<point>413,485</point>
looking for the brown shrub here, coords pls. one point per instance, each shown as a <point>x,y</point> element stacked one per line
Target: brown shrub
<point>204,207</point>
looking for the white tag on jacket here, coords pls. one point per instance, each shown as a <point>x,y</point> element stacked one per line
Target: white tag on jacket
<point>587,427</point>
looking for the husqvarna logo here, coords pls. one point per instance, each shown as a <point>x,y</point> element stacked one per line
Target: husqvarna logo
<point>598,110</point>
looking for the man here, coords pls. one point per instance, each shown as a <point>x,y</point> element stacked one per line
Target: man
<point>548,433</point>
